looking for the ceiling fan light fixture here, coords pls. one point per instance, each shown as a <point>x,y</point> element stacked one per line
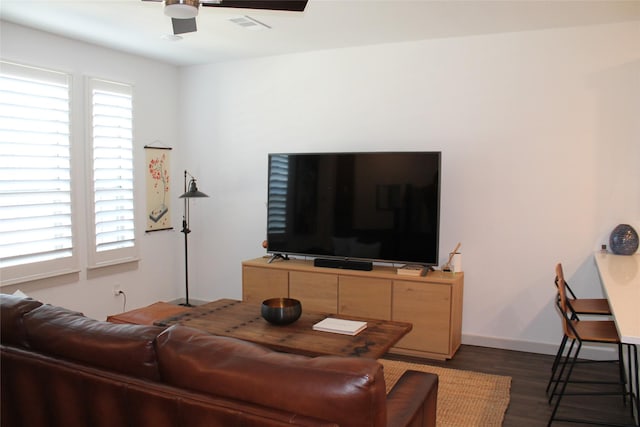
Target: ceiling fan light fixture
<point>181,9</point>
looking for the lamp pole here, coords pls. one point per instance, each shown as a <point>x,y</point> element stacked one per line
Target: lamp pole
<point>191,192</point>
<point>186,231</point>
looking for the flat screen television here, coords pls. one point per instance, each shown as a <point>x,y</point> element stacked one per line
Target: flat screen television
<point>378,206</point>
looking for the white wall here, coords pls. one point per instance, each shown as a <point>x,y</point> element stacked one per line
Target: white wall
<point>537,129</point>
<point>158,275</point>
<point>540,139</point>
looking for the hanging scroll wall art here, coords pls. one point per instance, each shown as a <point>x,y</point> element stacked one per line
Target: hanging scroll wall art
<point>158,185</point>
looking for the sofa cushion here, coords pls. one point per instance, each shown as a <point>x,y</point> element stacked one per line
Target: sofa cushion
<point>12,310</point>
<point>127,349</point>
<point>324,387</point>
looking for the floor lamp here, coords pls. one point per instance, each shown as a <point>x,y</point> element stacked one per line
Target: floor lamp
<point>191,193</point>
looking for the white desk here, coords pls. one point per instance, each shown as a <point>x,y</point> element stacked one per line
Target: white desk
<point>620,276</point>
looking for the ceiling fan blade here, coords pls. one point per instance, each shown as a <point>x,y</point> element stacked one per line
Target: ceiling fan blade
<point>181,26</point>
<point>289,5</point>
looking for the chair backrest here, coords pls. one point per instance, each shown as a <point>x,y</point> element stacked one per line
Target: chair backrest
<point>564,308</point>
<point>559,274</point>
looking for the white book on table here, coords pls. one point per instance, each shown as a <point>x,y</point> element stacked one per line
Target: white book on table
<point>340,326</point>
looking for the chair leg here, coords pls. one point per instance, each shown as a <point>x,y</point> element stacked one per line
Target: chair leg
<point>564,360</point>
<point>568,364</point>
<point>634,393</point>
<point>566,380</point>
<point>623,379</point>
<point>556,361</point>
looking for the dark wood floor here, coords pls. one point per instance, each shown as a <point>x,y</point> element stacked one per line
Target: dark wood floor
<point>528,406</point>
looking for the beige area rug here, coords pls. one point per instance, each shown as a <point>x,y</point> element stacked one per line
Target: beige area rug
<point>465,398</point>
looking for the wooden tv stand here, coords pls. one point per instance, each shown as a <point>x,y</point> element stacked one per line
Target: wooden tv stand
<point>433,304</point>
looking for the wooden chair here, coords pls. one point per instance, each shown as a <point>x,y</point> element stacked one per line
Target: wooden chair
<point>579,306</point>
<point>596,306</point>
<point>579,332</point>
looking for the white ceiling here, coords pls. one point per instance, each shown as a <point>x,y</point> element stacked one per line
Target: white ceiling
<point>138,27</point>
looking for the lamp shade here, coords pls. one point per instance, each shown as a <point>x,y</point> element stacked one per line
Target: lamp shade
<point>193,191</point>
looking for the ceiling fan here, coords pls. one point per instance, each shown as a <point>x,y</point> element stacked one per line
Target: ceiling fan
<point>183,12</point>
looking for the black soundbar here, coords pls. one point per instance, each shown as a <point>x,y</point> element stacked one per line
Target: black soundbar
<point>343,263</point>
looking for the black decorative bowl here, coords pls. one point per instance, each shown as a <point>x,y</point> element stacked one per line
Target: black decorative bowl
<point>281,311</point>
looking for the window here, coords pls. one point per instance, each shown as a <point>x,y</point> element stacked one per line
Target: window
<point>36,221</point>
<point>42,174</point>
<point>111,129</point>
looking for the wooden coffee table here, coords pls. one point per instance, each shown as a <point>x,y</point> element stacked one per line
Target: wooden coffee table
<point>242,320</point>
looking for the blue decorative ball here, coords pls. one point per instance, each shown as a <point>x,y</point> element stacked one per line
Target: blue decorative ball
<point>623,240</point>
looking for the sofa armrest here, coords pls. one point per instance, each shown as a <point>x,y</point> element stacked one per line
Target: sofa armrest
<point>413,400</point>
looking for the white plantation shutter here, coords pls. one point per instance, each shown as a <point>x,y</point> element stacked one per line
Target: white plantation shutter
<point>36,224</point>
<point>112,171</point>
<point>278,188</point>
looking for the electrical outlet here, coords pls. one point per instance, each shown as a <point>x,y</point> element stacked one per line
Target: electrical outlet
<point>116,290</point>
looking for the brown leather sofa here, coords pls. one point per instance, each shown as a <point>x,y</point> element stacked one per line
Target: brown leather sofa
<point>59,368</point>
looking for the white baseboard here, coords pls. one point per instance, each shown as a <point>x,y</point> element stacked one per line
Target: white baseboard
<point>592,352</point>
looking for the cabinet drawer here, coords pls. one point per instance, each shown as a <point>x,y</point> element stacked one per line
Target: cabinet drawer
<point>259,284</point>
<point>364,297</point>
<point>316,292</point>
<point>428,307</point>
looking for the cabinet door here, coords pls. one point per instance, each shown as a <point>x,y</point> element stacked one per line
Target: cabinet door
<point>316,292</point>
<point>428,307</point>
<point>259,284</point>
<point>364,297</point>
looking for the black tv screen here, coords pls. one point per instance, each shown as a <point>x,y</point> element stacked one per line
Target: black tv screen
<point>380,206</point>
